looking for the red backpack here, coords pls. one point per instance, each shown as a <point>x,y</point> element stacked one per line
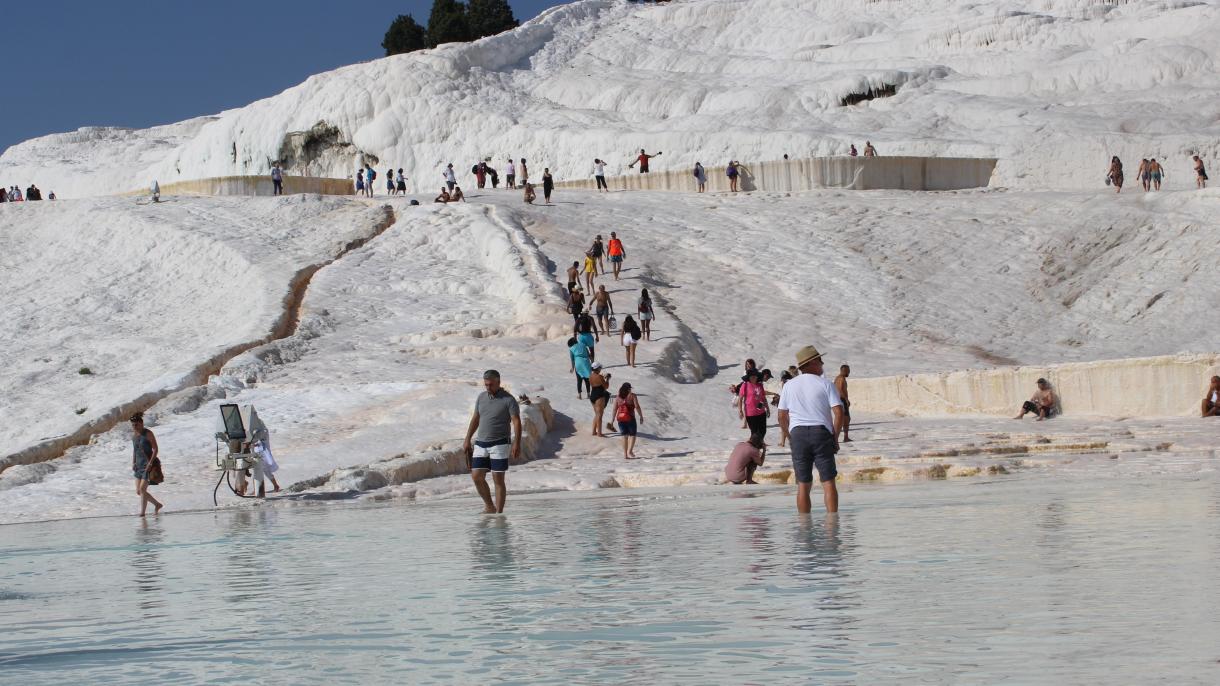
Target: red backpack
<point>625,411</point>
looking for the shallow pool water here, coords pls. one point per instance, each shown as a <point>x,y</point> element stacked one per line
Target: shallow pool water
<point>1026,579</point>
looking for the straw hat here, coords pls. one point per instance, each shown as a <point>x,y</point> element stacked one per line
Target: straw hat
<point>806,355</point>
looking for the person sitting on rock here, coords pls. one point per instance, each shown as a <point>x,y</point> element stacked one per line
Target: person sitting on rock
<point>444,196</point>
<point>1042,403</point>
<point>1211,401</point>
<point>458,195</point>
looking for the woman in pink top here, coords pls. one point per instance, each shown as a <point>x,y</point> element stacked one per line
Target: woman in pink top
<point>753,406</point>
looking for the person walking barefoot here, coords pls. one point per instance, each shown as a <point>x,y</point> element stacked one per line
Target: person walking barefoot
<point>1115,175</point>
<point>578,354</point>
<point>548,184</point>
<point>590,271</point>
<point>631,336</point>
<point>599,395</point>
<point>644,310</point>
<point>626,409</point>
<point>495,411</point>
<point>599,254</point>
<point>617,254</point>
<point>143,452</point>
<point>603,308</point>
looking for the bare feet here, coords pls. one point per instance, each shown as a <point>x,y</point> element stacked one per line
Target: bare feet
<point>158,507</point>
<point>489,510</point>
<point>751,481</point>
<point>848,440</point>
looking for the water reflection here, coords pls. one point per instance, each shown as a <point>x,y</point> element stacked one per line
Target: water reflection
<point>756,534</point>
<point>493,555</point>
<point>818,565</point>
<point>494,576</point>
<point>147,566</point>
<point>248,580</point>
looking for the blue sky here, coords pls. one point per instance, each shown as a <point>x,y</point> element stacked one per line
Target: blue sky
<point>79,63</point>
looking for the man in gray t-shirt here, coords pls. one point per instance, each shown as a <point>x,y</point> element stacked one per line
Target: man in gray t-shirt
<point>497,419</point>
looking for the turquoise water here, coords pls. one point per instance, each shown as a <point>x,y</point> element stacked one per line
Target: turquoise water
<point>1029,579</point>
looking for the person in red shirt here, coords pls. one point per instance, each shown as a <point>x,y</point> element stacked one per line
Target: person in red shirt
<point>617,253</point>
<point>642,160</point>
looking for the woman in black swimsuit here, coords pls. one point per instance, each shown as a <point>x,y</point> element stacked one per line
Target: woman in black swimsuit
<point>599,394</point>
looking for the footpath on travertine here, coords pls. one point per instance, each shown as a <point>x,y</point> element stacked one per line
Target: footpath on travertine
<point>372,394</point>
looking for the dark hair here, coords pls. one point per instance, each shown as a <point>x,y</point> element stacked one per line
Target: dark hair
<point>571,341</point>
<point>757,440</point>
<point>631,327</point>
<point>766,374</point>
<point>137,417</point>
<point>624,391</point>
<point>644,295</point>
<point>750,363</point>
<point>491,374</point>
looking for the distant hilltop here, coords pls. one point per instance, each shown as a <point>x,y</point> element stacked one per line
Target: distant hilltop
<point>1051,93</point>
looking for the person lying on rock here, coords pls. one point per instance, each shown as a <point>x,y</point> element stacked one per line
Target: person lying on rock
<point>1042,403</point>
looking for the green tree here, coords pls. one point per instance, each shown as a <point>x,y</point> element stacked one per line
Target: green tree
<point>404,35</point>
<point>448,23</point>
<point>489,17</point>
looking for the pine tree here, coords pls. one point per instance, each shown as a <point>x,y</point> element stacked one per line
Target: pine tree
<point>404,35</point>
<point>489,17</point>
<point>448,23</point>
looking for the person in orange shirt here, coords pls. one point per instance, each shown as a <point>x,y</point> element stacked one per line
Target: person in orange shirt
<point>617,254</point>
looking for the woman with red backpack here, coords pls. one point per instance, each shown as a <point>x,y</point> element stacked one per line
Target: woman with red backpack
<point>626,408</point>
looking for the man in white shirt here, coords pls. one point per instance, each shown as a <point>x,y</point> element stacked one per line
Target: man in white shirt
<point>812,414</point>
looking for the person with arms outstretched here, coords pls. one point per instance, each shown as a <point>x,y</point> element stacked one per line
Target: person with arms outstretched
<point>642,160</point>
